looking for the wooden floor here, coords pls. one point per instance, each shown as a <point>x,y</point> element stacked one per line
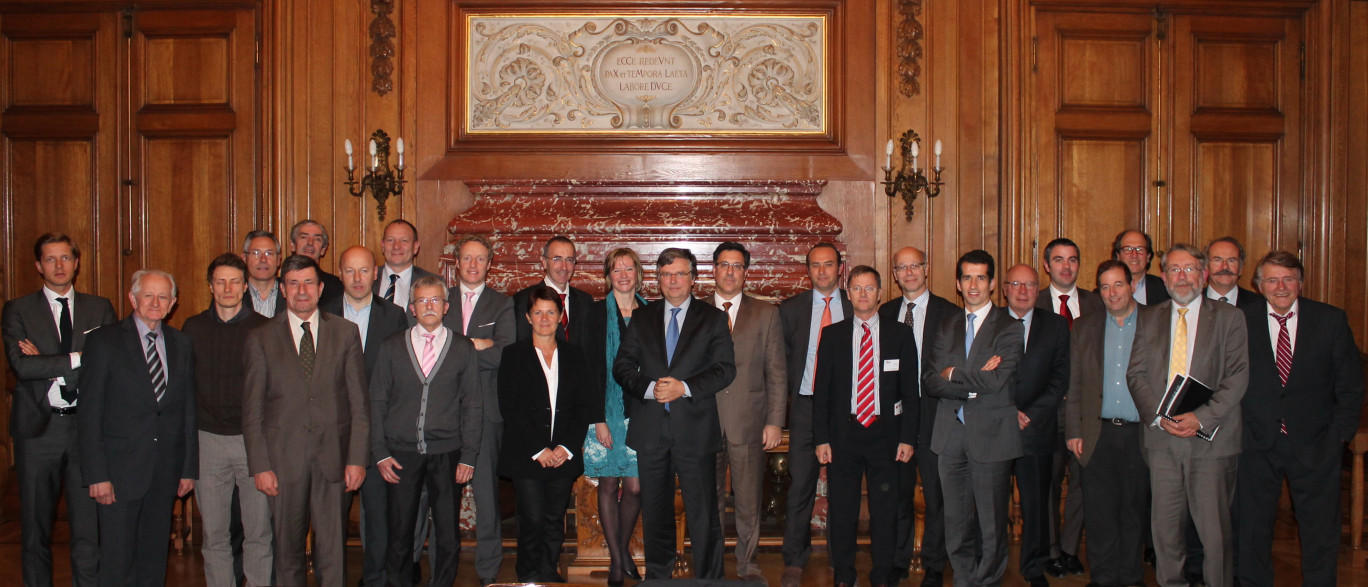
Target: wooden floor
<point>187,569</point>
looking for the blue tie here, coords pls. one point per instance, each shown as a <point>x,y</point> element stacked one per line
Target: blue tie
<point>968,343</point>
<point>671,339</point>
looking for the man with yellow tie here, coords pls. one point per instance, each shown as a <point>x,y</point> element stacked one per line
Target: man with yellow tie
<point>1196,337</point>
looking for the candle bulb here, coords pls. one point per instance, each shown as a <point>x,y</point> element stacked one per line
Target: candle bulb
<point>938,153</point>
<point>915,151</point>
<point>347,146</point>
<point>888,155</point>
<point>375,160</point>
<point>399,146</point>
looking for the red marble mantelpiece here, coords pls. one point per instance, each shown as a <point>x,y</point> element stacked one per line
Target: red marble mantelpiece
<point>776,220</point>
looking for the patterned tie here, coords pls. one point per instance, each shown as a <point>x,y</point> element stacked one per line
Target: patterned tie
<point>565,316</point>
<point>306,350</point>
<point>1178,356</point>
<point>726,307</point>
<point>968,343</point>
<point>1284,357</point>
<point>154,367</point>
<point>911,318</point>
<point>467,309</point>
<point>671,339</point>
<point>64,331</point>
<point>389,293</point>
<point>429,353</point>
<point>864,397</point>
<point>1065,311</point>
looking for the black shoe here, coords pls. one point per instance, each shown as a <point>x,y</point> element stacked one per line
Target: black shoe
<point>932,579</point>
<point>1196,580</point>
<point>1038,582</point>
<point>417,573</point>
<point>1055,568</point>
<point>1148,557</point>
<point>629,570</point>
<point>486,581</point>
<point>897,576</point>
<point>1072,564</point>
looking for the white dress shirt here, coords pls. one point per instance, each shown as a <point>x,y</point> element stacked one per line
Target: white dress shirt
<point>552,372</point>
<point>1074,307</point>
<point>1274,327</point>
<point>565,291</point>
<point>718,301</point>
<point>402,286</point>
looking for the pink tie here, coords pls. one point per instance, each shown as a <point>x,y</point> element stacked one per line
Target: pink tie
<point>864,398</point>
<point>466,310</point>
<point>1283,356</point>
<point>429,354</point>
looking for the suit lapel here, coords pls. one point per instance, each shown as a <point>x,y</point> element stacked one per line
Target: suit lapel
<point>983,338</point>
<point>1200,361</point>
<point>287,353</point>
<point>46,328</point>
<point>139,351</point>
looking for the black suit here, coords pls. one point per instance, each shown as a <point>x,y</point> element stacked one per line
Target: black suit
<point>1155,290</point>
<point>46,452</point>
<point>381,286</point>
<point>684,440</point>
<point>1319,406</point>
<point>1245,300</point>
<point>332,286</point>
<point>385,319</point>
<point>860,453</point>
<point>1042,378</point>
<point>579,301</point>
<point>925,465</point>
<point>141,446</point>
<point>796,315</point>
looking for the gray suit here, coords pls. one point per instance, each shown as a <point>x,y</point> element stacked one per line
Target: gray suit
<point>1191,467</point>
<point>976,455</point>
<point>755,399</point>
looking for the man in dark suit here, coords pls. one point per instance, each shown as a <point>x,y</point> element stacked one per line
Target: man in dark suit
<point>309,238</point>
<point>675,356</point>
<point>1136,250</point>
<point>376,319</point>
<point>485,317</point>
<point>397,276</point>
<point>1042,377</point>
<point>751,409</point>
<point>1103,429</point>
<point>426,413</point>
<point>804,316</point>
<point>978,434</point>
<point>865,422</point>
<point>1208,341</point>
<point>1063,296</point>
<point>1302,407</point>
<point>139,445</point>
<point>261,252</point>
<point>305,417</point>
<point>45,334</point>
<point>558,261</point>
<point>1225,261</point>
<point>924,312</point>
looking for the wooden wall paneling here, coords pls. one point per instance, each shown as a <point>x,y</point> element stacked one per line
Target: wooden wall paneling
<point>1350,261</point>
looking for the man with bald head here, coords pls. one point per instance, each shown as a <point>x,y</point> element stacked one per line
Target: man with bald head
<point>924,312</point>
<point>558,258</point>
<point>376,319</point>
<point>1042,377</point>
<point>308,237</point>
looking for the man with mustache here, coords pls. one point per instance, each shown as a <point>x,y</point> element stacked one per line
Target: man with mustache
<point>1225,262</point>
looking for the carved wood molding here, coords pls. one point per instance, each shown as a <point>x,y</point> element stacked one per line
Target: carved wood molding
<point>910,33</point>
<point>382,33</point>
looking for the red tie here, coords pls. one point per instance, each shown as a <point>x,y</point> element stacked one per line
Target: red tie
<point>864,397</point>
<point>1064,310</point>
<point>1284,357</point>
<point>565,316</point>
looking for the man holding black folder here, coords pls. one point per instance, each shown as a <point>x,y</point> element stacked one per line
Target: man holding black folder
<point>1195,337</point>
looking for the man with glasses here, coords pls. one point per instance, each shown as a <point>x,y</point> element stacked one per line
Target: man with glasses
<point>261,251</point>
<point>558,259</point>
<point>1136,250</point>
<point>1207,341</point>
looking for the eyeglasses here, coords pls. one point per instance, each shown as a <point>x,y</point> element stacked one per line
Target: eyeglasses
<point>1025,284</point>
<point>867,289</point>
<point>675,274</point>
<point>1190,269</point>
<point>1274,281</point>
<point>1134,249</point>
<point>905,267</point>
<point>435,301</point>
<point>557,260</point>
<point>736,266</point>
<point>264,254</point>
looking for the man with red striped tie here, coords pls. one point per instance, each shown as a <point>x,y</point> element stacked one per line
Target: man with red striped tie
<point>866,414</point>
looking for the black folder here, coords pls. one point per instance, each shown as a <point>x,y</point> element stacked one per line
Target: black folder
<point>1186,394</point>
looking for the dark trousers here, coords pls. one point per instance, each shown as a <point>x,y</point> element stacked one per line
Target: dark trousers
<point>306,499</point>
<point>436,473</point>
<point>1315,495</point>
<point>1033,474</point>
<point>697,473</point>
<point>924,469</point>
<point>1116,505</point>
<point>541,505</point>
<point>374,527</point>
<point>133,536</point>
<point>975,491</point>
<point>802,491</point>
<point>488,517</point>
<point>46,465</point>
<point>1066,533</point>
<point>865,454</point>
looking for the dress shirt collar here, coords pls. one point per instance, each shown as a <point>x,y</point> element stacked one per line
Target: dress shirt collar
<point>52,296</point>
<point>1296,308</point>
<point>921,301</point>
<point>477,290</point>
<point>1232,298</point>
<point>565,291</point>
<point>1055,293</point>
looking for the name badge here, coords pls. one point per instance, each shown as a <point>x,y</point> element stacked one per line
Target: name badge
<point>897,408</point>
<point>891,364</point>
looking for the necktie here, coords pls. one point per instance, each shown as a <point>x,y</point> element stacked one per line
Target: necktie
<point>864,397</point>
<point>467,309</point>
<point>1225,299</point>
<point>306,350</point>
<point>1284,356</point>
<point>968,343</point>
<point>154,367</point>
<point>389,293</point>
<point>565,316</point>
<point>671,339</point>
<point>726,307</point>
<point>911,318</point>
<point>64,331</point>
<point>429,353</point>
<point>1065,311</point>
<point>1178,356</point>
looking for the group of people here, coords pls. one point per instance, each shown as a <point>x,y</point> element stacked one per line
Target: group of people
<point>297,388</point>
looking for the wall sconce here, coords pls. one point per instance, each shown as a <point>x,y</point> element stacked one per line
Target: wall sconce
<point>910,180</point>
<point>382,181</point>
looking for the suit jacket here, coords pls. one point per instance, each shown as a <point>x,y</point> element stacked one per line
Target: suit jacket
<point>597,351</point>
<point>524,397</point>
<point>1088,302</point>
<point>1083,404</point>
<point>832,391</point>
<point>938,310</point>
<point>1324,390</point>
<point>1155,290</point>
<point>703,360</point>
<point>580,302</point>
<point>796,315</point>
<point>492,318</point>
<point>453,418</point>
<point>332,288</point>
<point>1245,300</point>
<point>758,396</point>
<point>1220,359</point>
<point>990,419</point>
<point>385,319</point>
<point>378,290</point>
<point>284,411</point>
<point>1042,378</point>
<point>127,437</point>
<point>30,317</point>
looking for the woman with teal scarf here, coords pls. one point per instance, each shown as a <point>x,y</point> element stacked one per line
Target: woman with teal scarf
<point>606,455</point>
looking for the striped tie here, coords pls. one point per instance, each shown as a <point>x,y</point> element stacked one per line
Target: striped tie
<point>154,367</point>
<point>864,397</point>
<point>1284,356</point>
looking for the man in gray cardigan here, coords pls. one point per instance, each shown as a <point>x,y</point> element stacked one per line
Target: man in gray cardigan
<point>428,412</point>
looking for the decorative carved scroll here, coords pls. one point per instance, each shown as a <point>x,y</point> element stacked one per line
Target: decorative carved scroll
<point>910,33</point>
<point>382,32</point>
